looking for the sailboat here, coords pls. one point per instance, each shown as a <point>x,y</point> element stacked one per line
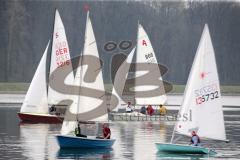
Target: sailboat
<point>144,55</point>
<point>202,98</point>
<point>35,107</point>
<point>83,104</point>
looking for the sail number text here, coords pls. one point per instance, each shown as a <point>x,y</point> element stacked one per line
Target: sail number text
<point>149,55</point>
<point>206,93</point>
<point>207,97</point>
<point>62,57</point>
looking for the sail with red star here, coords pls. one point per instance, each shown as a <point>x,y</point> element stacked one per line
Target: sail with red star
<point>202,97</point>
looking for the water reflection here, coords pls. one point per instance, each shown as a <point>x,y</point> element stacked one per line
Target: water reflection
<point>34,139</point>
<point>126,139</point>
<point>162,132</point>
<point>134,140</point>
<point>162,155</point>
<point>10,146</point>
<point>64,153</point>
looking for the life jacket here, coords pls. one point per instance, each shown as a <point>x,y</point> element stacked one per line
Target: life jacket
<point>197,139</point>
<point>77,131</point>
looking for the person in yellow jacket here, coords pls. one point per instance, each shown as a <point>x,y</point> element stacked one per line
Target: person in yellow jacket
<point>162,110</point>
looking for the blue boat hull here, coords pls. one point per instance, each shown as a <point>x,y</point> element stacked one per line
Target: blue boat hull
<point>82,142</point>
<point>185,149</point>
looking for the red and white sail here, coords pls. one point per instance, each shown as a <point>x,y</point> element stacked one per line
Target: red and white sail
<point>60,58</point>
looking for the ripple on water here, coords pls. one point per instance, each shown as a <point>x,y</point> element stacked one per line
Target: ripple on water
<point>135,140</point>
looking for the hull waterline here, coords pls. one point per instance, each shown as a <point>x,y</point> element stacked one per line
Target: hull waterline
<point>183,149</point>
<point>40,118</point>
<point>82,142</point>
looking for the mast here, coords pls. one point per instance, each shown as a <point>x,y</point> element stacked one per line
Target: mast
<point>135,67</point>
<point>81,61</point>
<point>50,57</point>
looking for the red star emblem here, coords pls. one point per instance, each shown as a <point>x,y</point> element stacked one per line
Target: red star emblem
<point>203,75</point>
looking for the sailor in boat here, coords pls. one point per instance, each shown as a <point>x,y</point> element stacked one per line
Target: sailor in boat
<point>150,110</point>
<point>52,109</point>
<point>129,108</point>
<point>106,132</point>
<point>195,140</point>
<point>162,110</point>
<point>78,132</point>
<point>143,110</point>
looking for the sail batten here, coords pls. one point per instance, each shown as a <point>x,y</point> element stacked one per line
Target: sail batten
<point>202,95</point>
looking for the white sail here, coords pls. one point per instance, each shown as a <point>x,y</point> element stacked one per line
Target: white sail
<point>145,54</point>
<point>60,57</point>
<point>119,78</point>
<point>69,126</point>
<point>36,98</point>
<point>83,104</point>
<point>90,48</point>
<point>201,109</point>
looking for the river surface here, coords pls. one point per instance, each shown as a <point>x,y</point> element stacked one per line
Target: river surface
<point>134,140</point>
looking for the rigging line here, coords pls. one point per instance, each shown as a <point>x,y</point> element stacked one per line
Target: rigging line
<point>81,65</point>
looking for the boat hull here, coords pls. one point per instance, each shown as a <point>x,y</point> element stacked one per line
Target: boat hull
<point>40,118</point>
<point>185,149</point>
<point>81,142</point>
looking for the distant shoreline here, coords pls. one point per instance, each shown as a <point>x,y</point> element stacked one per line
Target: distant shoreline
<point>173,100</point>
<point>21,88</point>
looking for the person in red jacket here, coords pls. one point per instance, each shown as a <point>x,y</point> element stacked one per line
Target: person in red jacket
<point>150,110</point>
<point>106,131</point>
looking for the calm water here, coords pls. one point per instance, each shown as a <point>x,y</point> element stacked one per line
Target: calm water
<point>135,140</point>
